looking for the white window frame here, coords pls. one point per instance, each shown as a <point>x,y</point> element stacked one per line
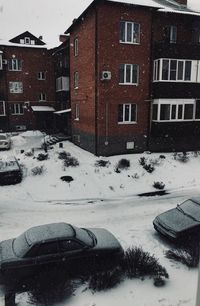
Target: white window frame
<point>76,80</point>
<point>131,66</point>
<point>27,40</point>
<point>18,109</point>
<point>42,97</point>
<point>77,112</point>
<point>4,109</point>
<point>62,84</point>
<point>15,64</point>
<point>76,46</point>
<point>129,121</point>
<point>194,73</point>
<point>41,76</point>
<point>1,60</point>
<point>177,102</point>
<point>16,87</point>
<point>132,25</point>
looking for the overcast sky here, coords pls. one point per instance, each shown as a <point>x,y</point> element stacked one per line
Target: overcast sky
<point>48,18</point>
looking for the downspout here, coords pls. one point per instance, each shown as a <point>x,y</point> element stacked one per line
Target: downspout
<point>96,81</point>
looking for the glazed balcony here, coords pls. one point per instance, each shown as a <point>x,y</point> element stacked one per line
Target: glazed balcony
<point>182,51</point>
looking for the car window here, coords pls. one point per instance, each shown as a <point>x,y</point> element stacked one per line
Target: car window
<point>69,245</point>
<point>48,248</point>
<point>3,137</point>
<point>32,252</point>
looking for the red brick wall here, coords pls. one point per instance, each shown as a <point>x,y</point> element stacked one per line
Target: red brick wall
<point>84,63</point>
<point>111,55</point>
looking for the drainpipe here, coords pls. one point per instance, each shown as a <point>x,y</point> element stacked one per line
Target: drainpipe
<point>96,81</point>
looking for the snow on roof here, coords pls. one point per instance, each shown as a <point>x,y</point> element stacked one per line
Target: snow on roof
<point>8,43</point>
<point>41,108</point>
<point>63,111</point>
<point>169,6</point>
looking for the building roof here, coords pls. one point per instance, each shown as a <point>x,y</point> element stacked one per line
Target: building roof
<point>40,108</point>
<point>19,41</point>
<point>166,6</point>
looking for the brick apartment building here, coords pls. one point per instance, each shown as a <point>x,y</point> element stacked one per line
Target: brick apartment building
<point>134,76</point>
<point>27,84</point>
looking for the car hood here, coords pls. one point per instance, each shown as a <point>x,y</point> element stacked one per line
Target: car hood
<point>6,250</point>
<point>105,240</point>
<point>176,220</point>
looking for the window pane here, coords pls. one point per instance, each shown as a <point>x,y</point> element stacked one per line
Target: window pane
<point>128,73</point>
<point>173,34</point>
<point>127,108</point>
<point>48,248</point>
<point>129,31</point>
<point>135,74</point>
<point>188,66</point>
<point>164,111</point>
<point>173,113</point>
<point>173,65</point>
<point>120,113</point>
<point>180,70</point>
<point>197,114</point>
<point>133,112</point>
<point>69,245</point>
<point>165,69</point>
<point>136,33</point>
<point>155,112</point>
<point>180,111</point>
<point>188,113</point>
<point>121,73</point>
<point>122,31</point>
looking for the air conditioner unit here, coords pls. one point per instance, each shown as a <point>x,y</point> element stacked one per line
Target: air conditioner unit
<point>106,75</point>
<point>4,61</point>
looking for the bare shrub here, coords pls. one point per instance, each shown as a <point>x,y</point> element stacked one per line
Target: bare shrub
<point>70,161</point>
<point>149,168</point>
<point>102,163</point>
<point>42,156</point>
<point>63,155</point>
<point>181,157</point>
<point>123,164</point>
<point>38,170</point>
<point>29,153</point>
<point>159,185</point>
<point>105,279</point>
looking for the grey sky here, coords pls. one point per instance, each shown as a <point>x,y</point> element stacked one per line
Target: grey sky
<point>48,18</point>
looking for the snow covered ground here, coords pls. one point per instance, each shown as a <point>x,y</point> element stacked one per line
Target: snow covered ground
<point>101,197</point>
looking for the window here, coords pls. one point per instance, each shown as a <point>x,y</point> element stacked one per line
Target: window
<point>76,80</point>
<point>76,47</point>
<point>1,63</point>
<point>129,32</point>
<point>69,245</point>
<point>2,108</point>
<point>128,74</point>
<point>15,64</point>
<point>62,84</point>
<point>16,87</point>
<point>173,34</point>
<point>17,109</point>
<point>42,97</point>
<point>77,112</point>
<point>48,248</point>
<point>175,70</point>
<point>41,75</point>
<point>127,113</point>
<point>27,40</point>
<point>176,110</point>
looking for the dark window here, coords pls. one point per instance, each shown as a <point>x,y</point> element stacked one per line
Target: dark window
<point>180,111</point>
<point>173,34</point>
<point>180,70</point>
<point>69,245</point>
<point>165,70</point>
<point>197,113</point>
<point>129,32</point>
<point>188,113</point>
<point>173,67</point>
<point>155,112</point>
<point>164,111</point>
<point>188,66</point>
<point>173,113</point>
<point>48,248</point>
<point>127,113</point>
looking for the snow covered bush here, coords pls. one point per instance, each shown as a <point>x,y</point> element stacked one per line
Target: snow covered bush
<point>142,161</point>
<point>70,161</point>
<point>102,163</point>
<point>42,156</point>
<point>181,156</point>
<point>149,168</point>
<point>159,185</point>
<point>67,178</point>
<point>29,153</point>
<point>38,170</point>
<point>137,263</point>
<point>105,280</point>
<point>63,155</point>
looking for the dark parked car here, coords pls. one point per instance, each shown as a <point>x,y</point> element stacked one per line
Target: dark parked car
<point>180,222</point>
<point>46,246</point>
<point>10,171</point>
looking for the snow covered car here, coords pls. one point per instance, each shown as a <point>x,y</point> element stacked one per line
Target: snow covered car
<point>46,246</point>
<point>181,222</point>
<point>5,141</point>
<point>10,171</point>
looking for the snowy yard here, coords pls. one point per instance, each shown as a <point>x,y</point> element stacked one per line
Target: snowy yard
<point>102,197</point>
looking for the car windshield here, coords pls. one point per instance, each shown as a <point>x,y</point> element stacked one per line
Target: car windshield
<point>3,137</point>
<point>191,209</point>
<point>20,246</point>
<point>85,236</point>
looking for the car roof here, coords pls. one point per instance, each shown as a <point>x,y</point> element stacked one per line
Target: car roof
<point>51,231</point>
<point>195,199</point>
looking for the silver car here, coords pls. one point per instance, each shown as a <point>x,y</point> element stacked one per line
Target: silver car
<point>5,141</point>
